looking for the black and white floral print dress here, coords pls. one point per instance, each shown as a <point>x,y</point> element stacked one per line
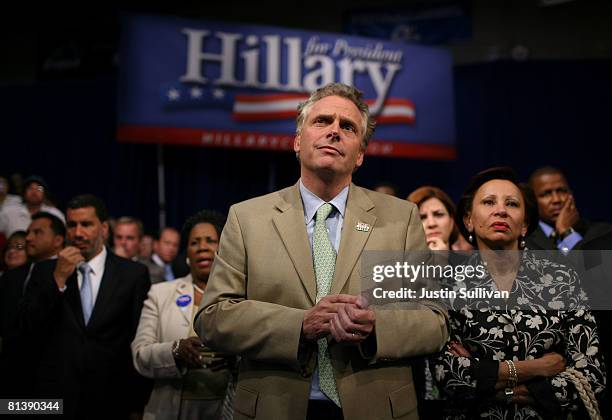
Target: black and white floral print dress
<point>545,312</point>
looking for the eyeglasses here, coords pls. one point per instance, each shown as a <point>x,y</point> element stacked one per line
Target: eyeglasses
<point>36,187</point>
<point>16,247</point>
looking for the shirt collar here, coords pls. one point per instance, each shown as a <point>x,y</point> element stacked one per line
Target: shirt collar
<point>97,263</point>
<point>546,228</point>
<point>312,203</point>
<point>157,260</point>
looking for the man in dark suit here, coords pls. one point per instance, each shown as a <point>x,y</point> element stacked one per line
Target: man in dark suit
<point>84,309</point>
<point>44,240</point>
<point>161,264</point>
<point>560,225</point>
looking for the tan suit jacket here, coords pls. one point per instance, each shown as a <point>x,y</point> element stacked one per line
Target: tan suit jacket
<point>262,283</point>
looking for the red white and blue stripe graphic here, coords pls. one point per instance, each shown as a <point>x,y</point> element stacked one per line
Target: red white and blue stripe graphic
<point>284,106</point>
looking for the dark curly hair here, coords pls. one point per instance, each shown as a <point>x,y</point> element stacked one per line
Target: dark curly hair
<point>203,216</point>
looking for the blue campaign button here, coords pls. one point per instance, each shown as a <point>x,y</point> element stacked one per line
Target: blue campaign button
<point>183,300</point>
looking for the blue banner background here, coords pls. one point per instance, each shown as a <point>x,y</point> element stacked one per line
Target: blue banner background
<point>153,57</point>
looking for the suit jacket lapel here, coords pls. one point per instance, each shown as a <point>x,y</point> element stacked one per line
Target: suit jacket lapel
<point>352,240</point>
<point>74,299</point>
<point>289,223</point>
<point>109,282</point>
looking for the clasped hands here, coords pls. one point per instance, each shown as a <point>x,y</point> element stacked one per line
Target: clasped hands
<point>349,319</point>
<point>190,352</point>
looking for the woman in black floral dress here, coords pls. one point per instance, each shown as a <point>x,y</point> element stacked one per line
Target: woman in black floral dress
<point>506,357</point>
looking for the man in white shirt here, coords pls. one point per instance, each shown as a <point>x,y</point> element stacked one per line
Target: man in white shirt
<point>7,199</point>
<point>17,216</point>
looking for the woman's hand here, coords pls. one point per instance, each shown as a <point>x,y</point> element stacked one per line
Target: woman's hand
<point>550,364</point>
<point>189,352</point>
<point>521,395</point>
<point>457,349</point>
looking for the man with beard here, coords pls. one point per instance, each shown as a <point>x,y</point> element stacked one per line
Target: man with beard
<point>83,310</point>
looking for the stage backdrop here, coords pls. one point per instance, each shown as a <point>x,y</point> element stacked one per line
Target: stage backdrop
<point>188,82</point>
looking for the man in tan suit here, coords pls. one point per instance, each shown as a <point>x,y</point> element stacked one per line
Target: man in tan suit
<point>285,288</point>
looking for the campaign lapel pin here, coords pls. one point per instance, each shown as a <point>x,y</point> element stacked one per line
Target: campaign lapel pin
<point>183,300</point>
<point>362,227</point>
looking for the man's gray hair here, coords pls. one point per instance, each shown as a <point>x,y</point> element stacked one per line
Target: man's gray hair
<point>344,91</point>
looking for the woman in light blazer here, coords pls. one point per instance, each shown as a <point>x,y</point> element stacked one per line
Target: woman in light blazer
<point>190,380</point>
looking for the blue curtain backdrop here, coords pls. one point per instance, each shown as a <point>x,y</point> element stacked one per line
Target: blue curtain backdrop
<point>521,114</point>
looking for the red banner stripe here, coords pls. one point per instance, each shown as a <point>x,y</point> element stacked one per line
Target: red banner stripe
<point>393,101</point>
<point>393,119</point>
<point>285,96</point>
<point>267,141</point>
<point>287,111</point>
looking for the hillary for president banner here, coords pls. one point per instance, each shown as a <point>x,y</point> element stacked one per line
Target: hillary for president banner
<point>212,84</point>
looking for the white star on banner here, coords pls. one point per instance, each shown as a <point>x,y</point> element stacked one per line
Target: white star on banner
<point>196,92</point>
<point>218,93</point>
<point>173,94</point>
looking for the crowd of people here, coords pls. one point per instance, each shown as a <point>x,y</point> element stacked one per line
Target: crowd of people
<point>260,313</point>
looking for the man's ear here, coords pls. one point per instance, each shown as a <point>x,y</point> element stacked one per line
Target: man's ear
<point>296,143</point>
<point>360,157</point>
